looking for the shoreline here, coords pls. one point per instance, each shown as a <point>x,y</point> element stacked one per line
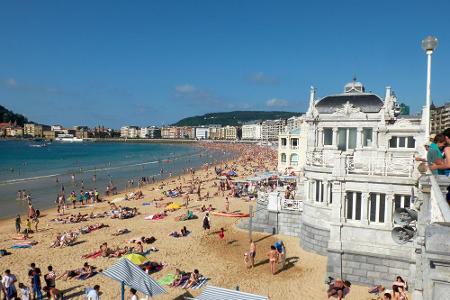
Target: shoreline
<point>123,191</point>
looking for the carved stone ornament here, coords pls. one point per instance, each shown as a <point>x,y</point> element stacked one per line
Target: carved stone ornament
<point>347,109</point>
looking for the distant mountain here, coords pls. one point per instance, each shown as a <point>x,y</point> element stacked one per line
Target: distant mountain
<point>9,116</point>
<point>235,117</point>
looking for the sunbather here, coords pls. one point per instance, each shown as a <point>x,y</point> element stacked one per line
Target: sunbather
<point>195,276</point>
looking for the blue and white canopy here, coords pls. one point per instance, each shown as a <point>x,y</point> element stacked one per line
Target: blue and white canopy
<point>131,275</point>
<point>218,293</point>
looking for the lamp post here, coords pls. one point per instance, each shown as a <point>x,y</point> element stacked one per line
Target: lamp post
<point>428,44</point>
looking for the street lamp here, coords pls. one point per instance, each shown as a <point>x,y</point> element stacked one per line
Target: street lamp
<point>428,44</point>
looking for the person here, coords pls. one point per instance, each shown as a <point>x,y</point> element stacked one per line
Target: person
<point>252,253</point>
<point>24,291</point>
<point>434,154</point>
<point>133,294</point>
<point>398,292</point>
<point>50,280</point>
<point>273,258</point>
<point>281,248</point>
<point>8,282</point>
<point>28,229</point>
<point>206,222</point>
<point>139,247</point>
<point>18,224</point>
<point>36,222</point>
<point>35,277</point>
<point>338,288</point>
<point>93,294</point>
<point>445,165</point>
<point>227,204</point>
<point>2,289</point>
<point>387,296</point>
<point>195,276</point>
<point>53,293</point>
<point>222,233</point>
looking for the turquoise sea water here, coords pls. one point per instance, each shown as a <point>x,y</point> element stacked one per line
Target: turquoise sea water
<point>44,171</point>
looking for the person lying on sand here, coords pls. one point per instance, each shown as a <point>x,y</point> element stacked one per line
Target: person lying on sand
<point>183,232</point>
<point>338,288</point>
<point>195,276</point>
<point>121,231</point>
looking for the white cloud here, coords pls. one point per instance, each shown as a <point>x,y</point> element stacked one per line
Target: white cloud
<point>185,89</point>
<point>11,82</point>
<point>275,102</point>
<point>262,78</point>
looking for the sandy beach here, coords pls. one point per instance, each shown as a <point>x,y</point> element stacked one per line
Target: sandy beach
<point>220,260</point>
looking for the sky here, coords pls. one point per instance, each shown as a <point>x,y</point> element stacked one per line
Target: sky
<point>140,63</point>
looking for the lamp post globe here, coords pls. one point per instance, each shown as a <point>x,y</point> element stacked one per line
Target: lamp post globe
<point>429,43</point>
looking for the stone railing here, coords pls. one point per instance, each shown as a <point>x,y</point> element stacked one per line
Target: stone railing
<point>292,204</point>
<point>439,207</point>
<point>318,159</point>
<point>402,167</point>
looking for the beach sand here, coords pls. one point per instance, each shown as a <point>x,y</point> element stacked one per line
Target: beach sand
<point>220,260</point>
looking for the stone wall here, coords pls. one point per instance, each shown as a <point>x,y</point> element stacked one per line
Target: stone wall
<point>314,239</point>
<point>369,269</point>
<point>283,222</point>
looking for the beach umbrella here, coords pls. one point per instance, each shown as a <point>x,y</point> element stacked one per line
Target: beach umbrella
<point>218,293</point>
<point>135,258</point>
<point>127,273</point>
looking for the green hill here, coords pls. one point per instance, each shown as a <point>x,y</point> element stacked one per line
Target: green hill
<point>9,116</point>
<point>235,117</point>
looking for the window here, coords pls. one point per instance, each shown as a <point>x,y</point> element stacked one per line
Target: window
<point>294,159</point>
<point>367,137</point>
<point>346,138</point>
<point>294,142</point>
<point>377,207</point>
<point>283,157</point>
<point>402,142</point>
<point>283,142</point>
<point>403,201</point>
<point>328,136</point>
<point>354,206</point>
<point>330,192</point>
<point>319,189</point>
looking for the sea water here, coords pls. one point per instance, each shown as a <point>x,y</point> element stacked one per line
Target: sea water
<point>45,171</point>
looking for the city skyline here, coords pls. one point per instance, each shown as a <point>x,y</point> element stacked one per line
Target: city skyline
<point>155,63</point>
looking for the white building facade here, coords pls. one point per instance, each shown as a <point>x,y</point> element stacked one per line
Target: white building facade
<point>270,129</point>
<point>359,168</point>
<point>201,133</point>
<point>251,132</point>
<point>292,146</point>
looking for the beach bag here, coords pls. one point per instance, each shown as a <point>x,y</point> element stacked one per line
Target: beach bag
<point>3,252</point>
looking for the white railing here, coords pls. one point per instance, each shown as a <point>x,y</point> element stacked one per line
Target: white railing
<point>440,209</point>
<point>294,147</point>
<point>262,198</point>
<point>395,166</point>
<point>292,204</point>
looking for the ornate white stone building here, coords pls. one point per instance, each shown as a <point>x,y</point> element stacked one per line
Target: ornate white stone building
<point>359,167</point>
<point>292,147</point>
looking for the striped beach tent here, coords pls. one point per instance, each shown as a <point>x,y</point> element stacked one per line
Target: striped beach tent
<point>131,275</point>
<point>218,293</point>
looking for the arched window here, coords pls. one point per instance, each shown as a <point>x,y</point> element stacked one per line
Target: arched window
<point>283,157</point>
<point>294,159</point>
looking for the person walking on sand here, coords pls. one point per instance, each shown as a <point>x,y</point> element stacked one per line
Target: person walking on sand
<point>18,224</point>
<point>252,254</point>
<point>206,222</point>
<point>273,258</point>
<point>227,204</point>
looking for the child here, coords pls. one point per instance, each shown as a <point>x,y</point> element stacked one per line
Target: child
<point>25,291</point>
<point>221,233</point>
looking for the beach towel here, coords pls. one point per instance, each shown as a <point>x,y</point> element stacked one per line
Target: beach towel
<point>201,282</point>
<point>167,280</point>
<point>92,255</point>
<point>146,203</point>
<point>20,246</point>
<point>83,277</point>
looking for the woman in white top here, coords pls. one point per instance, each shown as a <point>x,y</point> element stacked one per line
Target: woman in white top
<point>133,294</point>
